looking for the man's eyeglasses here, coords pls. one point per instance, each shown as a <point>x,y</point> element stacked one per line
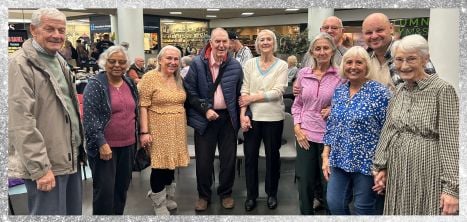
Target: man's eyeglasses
<point>409,60</point>
<point>333,28</point>
<point>114,61</point>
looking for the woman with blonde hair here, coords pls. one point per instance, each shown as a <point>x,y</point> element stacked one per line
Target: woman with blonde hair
<point>358,111</point>
<point>163,126</point>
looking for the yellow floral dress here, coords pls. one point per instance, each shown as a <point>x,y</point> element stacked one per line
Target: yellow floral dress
<point>166,121</point>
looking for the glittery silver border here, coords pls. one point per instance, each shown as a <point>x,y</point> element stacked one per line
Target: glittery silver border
<point>460,4</point>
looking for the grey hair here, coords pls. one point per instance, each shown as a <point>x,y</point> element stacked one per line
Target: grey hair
<point>187,60</point>
<point>48,12</point>
<point>412,43</point>
<point>330,39</point>
<point>178,77</point>
<point>269,32</point>
<point>218,30</point>
<point>357,51</point>
<point>111,50</point>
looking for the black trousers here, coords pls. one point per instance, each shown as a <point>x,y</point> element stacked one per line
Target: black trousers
<point>271,134</point>
<point>219,132</point>
<point>309,173</point>
<point>111,179</point>
<point>161,178</point>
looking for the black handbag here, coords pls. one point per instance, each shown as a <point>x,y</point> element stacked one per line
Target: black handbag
<point>141,160</point>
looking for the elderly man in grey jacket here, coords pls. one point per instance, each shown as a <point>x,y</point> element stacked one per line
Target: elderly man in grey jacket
<point>45,133</point>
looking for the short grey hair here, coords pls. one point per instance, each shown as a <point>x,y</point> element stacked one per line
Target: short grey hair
<point>187,60</point>
<point>260,34</point>
<point>48,12</point>
<point>357,51</point>
<point>412,43</point>
<point>111,50</point>
<point>330,39</point>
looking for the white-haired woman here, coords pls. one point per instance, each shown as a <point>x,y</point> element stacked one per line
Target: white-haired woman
<point>357,116</point>
<point>417,158</point>
<point>264,82</point>
<point>163,126</point>
<point>110,121</point>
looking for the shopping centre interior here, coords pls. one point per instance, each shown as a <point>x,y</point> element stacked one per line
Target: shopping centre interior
<point>147,30</point>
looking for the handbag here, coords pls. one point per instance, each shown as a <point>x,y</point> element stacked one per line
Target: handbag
<point>141,160</point>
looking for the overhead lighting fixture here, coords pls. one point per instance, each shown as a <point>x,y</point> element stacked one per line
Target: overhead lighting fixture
<point>211,16</point>
<point>167,21</point>
<point>170,23</point>
<point>212,9</point>
<point>175,13</point>
<point>19,20</point>
<point>248,13</point>
<point>292,9</point>
<point>77,9</point>
<point>188,22</point>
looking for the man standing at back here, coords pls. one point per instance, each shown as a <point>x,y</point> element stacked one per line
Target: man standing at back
<point>136,70</point>
<point>241,53</point>
<point>214,114</point>
<point>45,133</point>
<point>104,44</point>
<point>378,34</point>
<point>333,26</point>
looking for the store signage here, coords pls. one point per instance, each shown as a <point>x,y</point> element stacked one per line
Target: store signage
<point>413,26</point>
<point>99,24</point>
<point>95,27</point>
<point>16,39</point>
<point>151,24</point>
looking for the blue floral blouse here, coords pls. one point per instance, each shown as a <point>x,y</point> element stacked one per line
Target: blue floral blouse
<point>354,126</point>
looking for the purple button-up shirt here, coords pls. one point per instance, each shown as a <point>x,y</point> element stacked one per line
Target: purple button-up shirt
<point>314,96</point>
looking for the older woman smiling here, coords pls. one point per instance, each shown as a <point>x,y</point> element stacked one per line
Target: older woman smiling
<point>417,158</point>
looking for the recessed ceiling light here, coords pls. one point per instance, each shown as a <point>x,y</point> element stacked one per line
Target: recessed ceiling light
<point>188,22</point>
<point>77,9</point>
<point>166,21</point>
<point>212,9</point>
<point>175,13</point>
<point>292,9</point>
<point>211,16</point>
<point>248,13</point>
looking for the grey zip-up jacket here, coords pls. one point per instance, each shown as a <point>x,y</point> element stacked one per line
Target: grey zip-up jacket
<point>39,126</point>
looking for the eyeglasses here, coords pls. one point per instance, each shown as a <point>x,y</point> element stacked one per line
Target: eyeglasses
<point>114,61</point>
<point>409,60</point>
<point>333,28</point>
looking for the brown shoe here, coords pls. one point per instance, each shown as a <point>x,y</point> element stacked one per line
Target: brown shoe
<point>228,203</point>
<point>201,204</point>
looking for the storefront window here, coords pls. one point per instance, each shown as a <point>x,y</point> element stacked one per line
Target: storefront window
<point>188,36</point>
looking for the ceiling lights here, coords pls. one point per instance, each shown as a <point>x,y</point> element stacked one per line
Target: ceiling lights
<point>247,13</point>
<point>292,9</point>
<point>211,16</point>
<point>212,9</point>
<point>175,13</point>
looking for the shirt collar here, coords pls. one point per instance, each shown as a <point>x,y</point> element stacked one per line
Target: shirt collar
<point>213,61</point>
<point>387,54</point>
<point>422,83</point>
<point>40,49</point>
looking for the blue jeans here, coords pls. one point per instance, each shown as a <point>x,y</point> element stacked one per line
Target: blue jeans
<point>344,186</point>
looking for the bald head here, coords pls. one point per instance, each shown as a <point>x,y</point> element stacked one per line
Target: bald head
<point>377,32</point>
<point>333,26</point>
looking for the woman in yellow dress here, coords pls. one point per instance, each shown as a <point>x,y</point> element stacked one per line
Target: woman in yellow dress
<point>163,126</point>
